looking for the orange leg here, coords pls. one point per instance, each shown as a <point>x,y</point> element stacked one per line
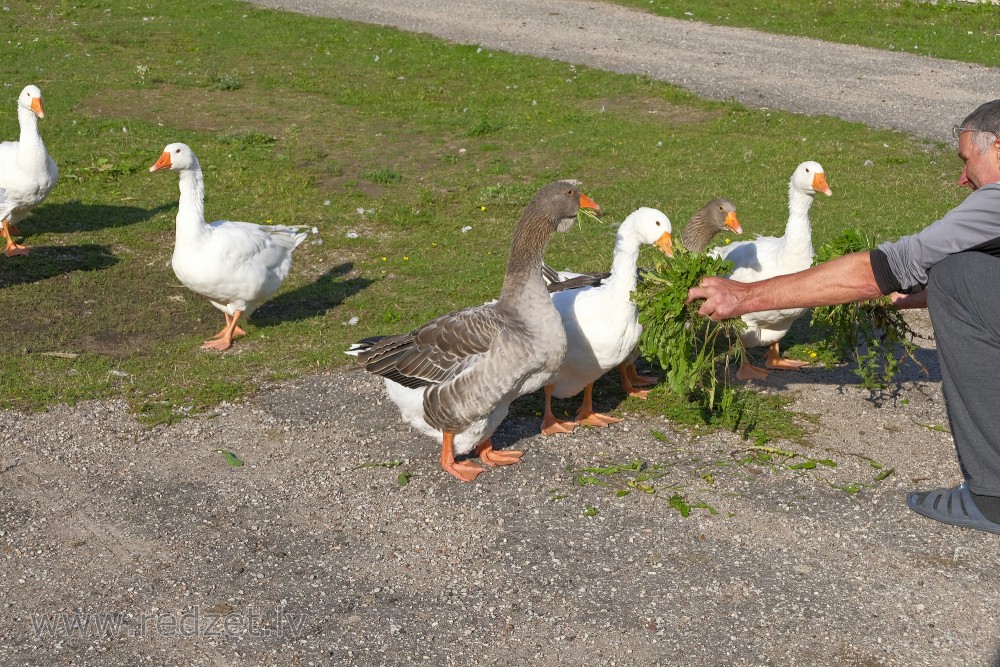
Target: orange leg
<point>628,386</point>
<point>14,229</point>
<point>467,471</point>
<point>774,360</point>
<point>237,331</point>
<point>587,416</point>
<point>13,248</point>
<point>551,425</point>
<point>636,379</point>
<point>491,457</point>
<point>224,340</point>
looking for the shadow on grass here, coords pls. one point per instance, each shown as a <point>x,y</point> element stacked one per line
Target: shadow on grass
<point>46,262</point>
<point>313,300</point>
<point>75,216</point>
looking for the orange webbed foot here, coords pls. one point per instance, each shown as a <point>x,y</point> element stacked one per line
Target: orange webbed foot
<point>551,425</point>
<point>596,419</point>
<point>467,471</point>
<point>786,364</point>
<point>218,344</point>
<point>16,249</point>
<point>749,372</point>
<point>492,457</point>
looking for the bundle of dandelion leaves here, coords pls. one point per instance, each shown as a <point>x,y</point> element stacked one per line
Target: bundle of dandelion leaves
<point>694,351</point>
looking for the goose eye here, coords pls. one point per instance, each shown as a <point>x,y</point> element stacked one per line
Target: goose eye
<point>807,170</point>
<point>177,150</point>
<point>657,223</point>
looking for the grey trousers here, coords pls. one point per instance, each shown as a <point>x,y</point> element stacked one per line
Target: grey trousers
<point>963,298</point>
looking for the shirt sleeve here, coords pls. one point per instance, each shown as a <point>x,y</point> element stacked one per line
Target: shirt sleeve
<point>902,266</point>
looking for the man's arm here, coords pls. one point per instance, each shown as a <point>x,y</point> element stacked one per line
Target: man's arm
<point>841,280</point>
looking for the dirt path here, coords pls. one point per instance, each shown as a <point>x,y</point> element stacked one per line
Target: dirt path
<point>925,96</point>
<point>314,553</point>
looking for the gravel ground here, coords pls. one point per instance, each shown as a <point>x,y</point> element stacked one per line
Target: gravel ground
<point>313,553</point>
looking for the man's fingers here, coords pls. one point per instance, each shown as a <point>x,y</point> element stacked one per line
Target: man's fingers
<point>696,293</point>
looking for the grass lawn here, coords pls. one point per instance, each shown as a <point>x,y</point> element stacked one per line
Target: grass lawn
<point>389,145</point>
<point>963,31</point>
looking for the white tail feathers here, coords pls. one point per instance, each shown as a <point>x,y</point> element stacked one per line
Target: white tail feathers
<point>288,237</point>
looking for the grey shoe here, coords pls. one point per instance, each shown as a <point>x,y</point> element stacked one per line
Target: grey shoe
<point>954,506</point>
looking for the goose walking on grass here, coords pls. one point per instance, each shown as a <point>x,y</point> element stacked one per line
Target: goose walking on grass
<point>236,265</point>
<point>768,256</point>
<point>716,216</point>
<point>455,377</point>
<point>27,173</point>
<point>601,322</point>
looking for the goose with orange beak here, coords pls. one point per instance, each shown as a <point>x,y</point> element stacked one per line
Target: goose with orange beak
<point>769,256</point>
<point>455,377</point>
<point>27,173</point>
<point>602,322</point>
<point>236,265</point>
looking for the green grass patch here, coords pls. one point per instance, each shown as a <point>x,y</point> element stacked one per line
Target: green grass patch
<point>412,158</point>
<point>954,30</point>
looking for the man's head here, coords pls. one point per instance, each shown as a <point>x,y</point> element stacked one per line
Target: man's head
<point>979,146</point>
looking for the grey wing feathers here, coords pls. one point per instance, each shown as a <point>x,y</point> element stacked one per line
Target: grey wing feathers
<point>583,280</point>
<point>437,351</point>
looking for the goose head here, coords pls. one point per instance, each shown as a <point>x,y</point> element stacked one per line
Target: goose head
<point>651,226</point>
<point>176,157</point>
<point>560,201</point>
<point>31,99</point>
<point>809,179</point>
<point>720,214</point>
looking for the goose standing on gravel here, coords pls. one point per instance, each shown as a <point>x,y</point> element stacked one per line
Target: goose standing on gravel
<point>236,265</point>
<point>601,322</point>
<point>769,256</point>
<point>27,173</point>
<point>716,216</point>
<point>455,377</point>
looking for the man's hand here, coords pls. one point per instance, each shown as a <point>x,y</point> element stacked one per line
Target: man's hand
<point>723,298</point>
<point>904,301</point>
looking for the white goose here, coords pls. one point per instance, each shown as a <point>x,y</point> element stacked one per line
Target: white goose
<point>601,322</point>
<point>455,377</point>
<point>769,256</point>
<point>236,265</point>
<point>715,216</point>
<point>27,172</point>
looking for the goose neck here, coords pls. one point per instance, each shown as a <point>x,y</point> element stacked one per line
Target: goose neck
<point>798,231</point>
<point>523,281</point>
<point>191,208</point>
<point>623,264</point>
<point>30,139</point>
<point>697,234</point>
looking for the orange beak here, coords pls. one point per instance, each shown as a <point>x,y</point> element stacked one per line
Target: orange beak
<point>819,184</point>
<point>162,163</point>
<point>587,202</point>
<point>36,106</point>
<point>666,244</point>
<point>733,223</point>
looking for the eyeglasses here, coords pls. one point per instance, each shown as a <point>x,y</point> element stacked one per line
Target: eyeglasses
<point>958,130</point>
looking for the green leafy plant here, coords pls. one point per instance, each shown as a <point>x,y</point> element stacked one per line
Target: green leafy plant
<point>694,351</point>
<point>871,332</point>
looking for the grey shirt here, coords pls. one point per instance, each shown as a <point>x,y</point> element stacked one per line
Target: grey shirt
<point>973,225</point>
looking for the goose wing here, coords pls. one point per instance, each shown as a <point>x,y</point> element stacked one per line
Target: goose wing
<point>438,351</point>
